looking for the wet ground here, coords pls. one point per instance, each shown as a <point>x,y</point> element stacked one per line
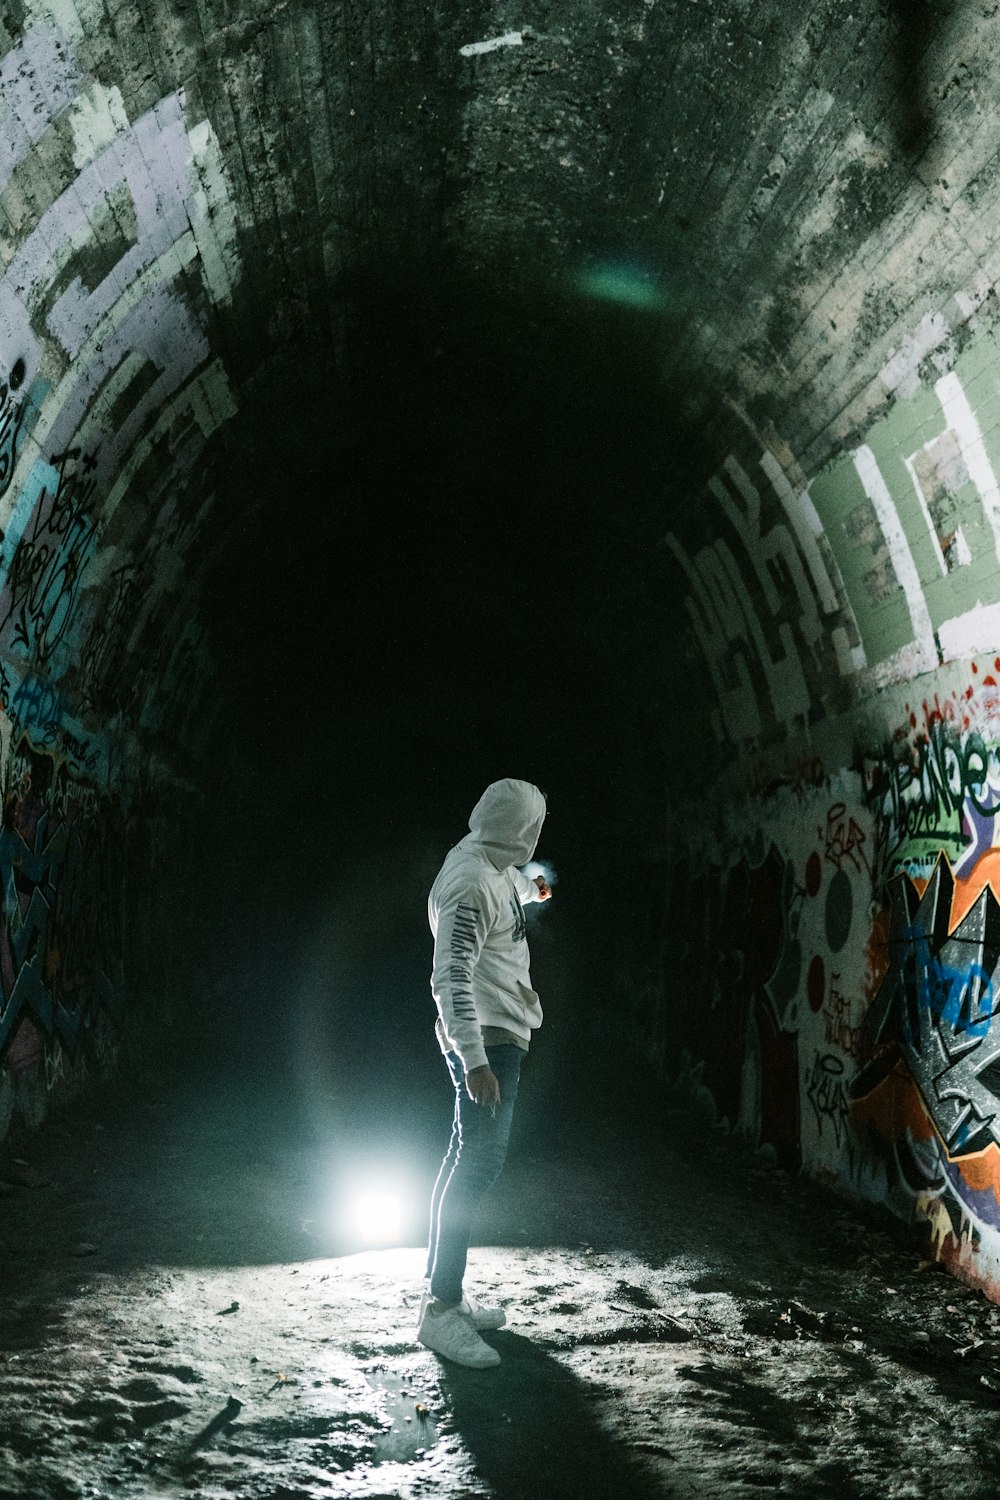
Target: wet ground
<point>187,1311</point>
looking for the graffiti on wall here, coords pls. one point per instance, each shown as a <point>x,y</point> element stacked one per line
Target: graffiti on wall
<point>61,937</point>
<point>42,584</point>
<point>741,965</point>
<point>927,1096</point>
<point>821,599</point>
<point>937,1005</point>
<point>775,960</point>
<point>108,395</point>
<point>12,414</point>
<point>60,866</point>
<point>939,793</point>
<point>884,1028</point>
<point>876,570</point>
<point>827,1092</point>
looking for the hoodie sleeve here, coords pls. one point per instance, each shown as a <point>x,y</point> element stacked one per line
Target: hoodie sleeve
<point>463,922</point>
<point>526,889</point>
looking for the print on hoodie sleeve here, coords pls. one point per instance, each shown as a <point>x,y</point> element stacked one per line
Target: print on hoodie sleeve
<point>464,952</point>
<point>462,928</point>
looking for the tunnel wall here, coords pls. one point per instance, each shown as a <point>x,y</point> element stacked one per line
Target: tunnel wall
<point>117,247</point>
<point>831,980</point>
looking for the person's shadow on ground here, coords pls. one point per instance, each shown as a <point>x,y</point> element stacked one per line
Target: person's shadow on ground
<point>533,1433</point>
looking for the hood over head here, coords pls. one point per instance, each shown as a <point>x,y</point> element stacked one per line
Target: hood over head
<point>507,820</point>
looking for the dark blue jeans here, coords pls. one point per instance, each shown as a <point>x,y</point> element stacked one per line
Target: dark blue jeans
<point>473,1162</point>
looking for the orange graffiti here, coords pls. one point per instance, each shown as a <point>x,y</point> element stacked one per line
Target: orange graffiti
<point>981,1170</point>
<point>985,872</point>
<point>895,1107</point>
<point>967,888</point>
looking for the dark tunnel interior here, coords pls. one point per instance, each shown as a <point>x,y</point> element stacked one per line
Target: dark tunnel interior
<point>435,610</point>
<point>396,399</point>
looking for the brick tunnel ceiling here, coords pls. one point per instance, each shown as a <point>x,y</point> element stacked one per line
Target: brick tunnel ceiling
<point>281,275</point>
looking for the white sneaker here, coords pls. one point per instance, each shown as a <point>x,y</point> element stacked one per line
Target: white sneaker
<point>478,1315</point>
<point>451,1335</point>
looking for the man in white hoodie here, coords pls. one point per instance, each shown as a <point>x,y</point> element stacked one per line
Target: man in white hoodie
<point>487,1011</point>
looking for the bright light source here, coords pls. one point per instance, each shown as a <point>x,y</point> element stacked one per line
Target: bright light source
<point>378,1218</point>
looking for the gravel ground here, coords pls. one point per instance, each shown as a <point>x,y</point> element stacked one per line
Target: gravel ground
<point>179,1318</point>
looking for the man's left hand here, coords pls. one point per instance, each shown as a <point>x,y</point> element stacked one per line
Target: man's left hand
<point>483,1086</point>
<point>544,889</point>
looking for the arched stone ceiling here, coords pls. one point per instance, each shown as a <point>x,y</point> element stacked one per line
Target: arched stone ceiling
<point>783,210</point>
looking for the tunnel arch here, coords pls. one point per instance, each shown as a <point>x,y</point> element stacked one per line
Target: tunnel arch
<point>700,302</point>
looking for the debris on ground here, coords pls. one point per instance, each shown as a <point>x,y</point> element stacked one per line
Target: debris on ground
<point>696,1333</point>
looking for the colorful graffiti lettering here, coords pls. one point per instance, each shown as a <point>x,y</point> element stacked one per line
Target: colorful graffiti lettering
<point>945,794</point>
<point>49,560</point>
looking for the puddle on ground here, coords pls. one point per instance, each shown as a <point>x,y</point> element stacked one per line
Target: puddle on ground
<point>408,1409</point>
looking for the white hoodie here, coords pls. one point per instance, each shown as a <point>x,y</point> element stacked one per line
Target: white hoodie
<point>480,974</point>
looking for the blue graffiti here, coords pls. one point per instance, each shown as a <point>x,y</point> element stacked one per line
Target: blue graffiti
<point>937,1008</point>
<point>35,702</point>
<point>960,998</point>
